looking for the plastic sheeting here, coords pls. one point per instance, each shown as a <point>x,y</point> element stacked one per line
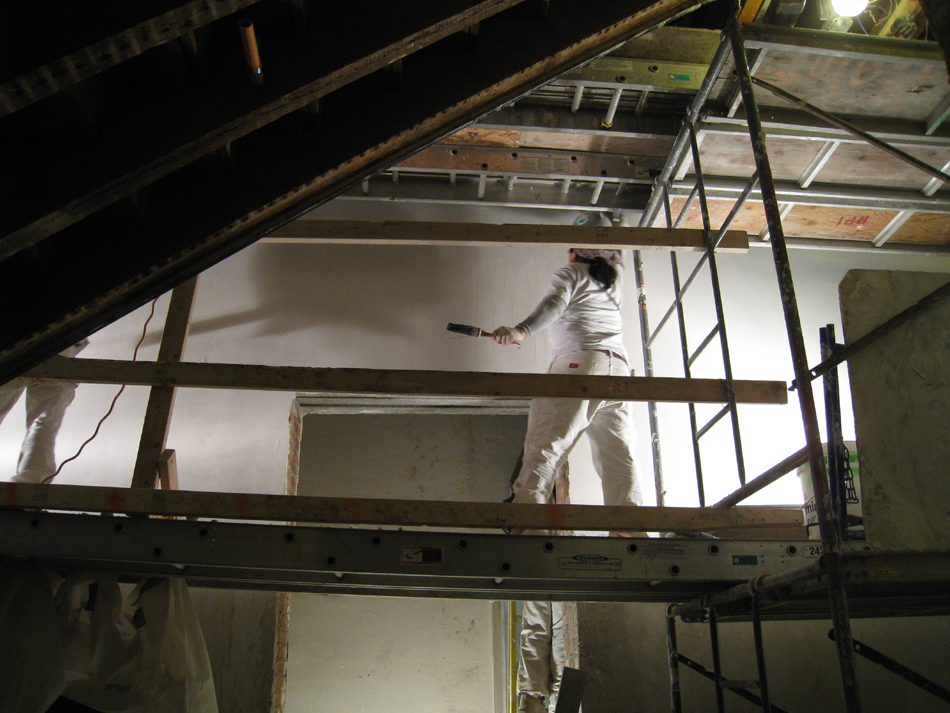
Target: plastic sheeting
<point>111,648</point>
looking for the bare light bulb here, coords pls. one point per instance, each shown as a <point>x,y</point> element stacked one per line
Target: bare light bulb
<point>849,8</point>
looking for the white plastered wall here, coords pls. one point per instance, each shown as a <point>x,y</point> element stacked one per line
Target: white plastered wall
<point>386,307</point>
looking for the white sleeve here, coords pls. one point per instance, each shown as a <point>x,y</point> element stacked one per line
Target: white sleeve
<point>553,304</point>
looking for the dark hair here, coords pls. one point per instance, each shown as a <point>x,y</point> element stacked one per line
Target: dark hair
<point>602,271</point>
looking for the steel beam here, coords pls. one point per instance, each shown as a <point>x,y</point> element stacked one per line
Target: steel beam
<point>824,195</point>
<point>791,124</point>
<point>391,562</point>
<point>836,44</point>
<point>628,72</point>
<point>557,119</point>
<point>530,193</point>
<point>549,163</point>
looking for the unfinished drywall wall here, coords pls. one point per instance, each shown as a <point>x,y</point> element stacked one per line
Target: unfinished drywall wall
<point>239,631</point>
<point>369,653</point>
<point>374,653</point>
<point>901,391</point>
<point>624,652</point>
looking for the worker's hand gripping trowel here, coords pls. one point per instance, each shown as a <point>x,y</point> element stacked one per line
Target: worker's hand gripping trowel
<point>470,331</point>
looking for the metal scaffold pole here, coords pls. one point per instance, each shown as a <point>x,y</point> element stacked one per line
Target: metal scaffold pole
<point>648,371</point>
<point>829,535</point>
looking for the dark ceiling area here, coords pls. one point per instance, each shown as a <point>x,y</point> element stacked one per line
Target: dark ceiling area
<point>139,151</point>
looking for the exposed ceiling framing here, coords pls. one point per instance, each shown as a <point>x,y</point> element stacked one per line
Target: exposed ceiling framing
<point>832,184</point>
<point>139,154</point>
<point>150,156</point>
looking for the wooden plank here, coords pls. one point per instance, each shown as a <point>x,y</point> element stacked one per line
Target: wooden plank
<point>161,399</point>
<point>56,71</point>
<point>421,383</point>
<point>925,228</point>
<point>835,222</point>
<point>899,78</point>
<point>750,219</point>
<point>731,155</point>
<point>140,152</point>
<point>168,470</point>
<point>478,136</point>
<point>403,513</point>
<point>681,44</point>
<point>832,222</point>
<point>868,165</point>
<point>483,234</point>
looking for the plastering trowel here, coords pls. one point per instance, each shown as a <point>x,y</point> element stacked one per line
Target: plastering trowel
<point>468,330</point>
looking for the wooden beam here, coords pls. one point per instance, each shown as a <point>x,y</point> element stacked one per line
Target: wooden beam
<point>161,399</point>
<point>403,382</point>
<point>403,513</point>
<point>168,470</point>
<point>355,232</point>
<point>93,50</point>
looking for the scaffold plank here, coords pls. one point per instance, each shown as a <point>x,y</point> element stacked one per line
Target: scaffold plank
<point>401,513</point>
<point>405,382</point>
<point>481,234</point>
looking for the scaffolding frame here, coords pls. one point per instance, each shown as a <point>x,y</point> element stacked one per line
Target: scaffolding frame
<point>829,485</point>
<point>832,557</point>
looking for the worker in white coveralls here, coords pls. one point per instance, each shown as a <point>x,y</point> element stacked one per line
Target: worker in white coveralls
<point>46,403</point>
<point>582,313</point>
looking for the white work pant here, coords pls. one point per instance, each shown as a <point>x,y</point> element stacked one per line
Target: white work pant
<point>46,403</point>
<point>555,425</point>
<point>542,650</point>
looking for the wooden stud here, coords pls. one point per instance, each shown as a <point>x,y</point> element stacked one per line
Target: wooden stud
<point>161,399</point>
<point>168,470</point>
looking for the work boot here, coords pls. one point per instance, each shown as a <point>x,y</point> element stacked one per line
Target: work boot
<point>531,704</point>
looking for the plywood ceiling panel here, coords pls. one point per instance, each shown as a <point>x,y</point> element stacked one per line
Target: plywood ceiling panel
<point>824,222</point>
<point>863,164</point>
<point>731,155</point>
<point>836,222</point>
<point>925,229</point>
<point>751,217</point>
<point>850,86</point>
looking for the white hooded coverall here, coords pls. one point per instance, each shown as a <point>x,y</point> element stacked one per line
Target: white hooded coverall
<point>46,403</point>
<point>585,329</point>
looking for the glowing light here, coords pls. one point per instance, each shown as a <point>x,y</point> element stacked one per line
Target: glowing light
<point>849,8</point>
